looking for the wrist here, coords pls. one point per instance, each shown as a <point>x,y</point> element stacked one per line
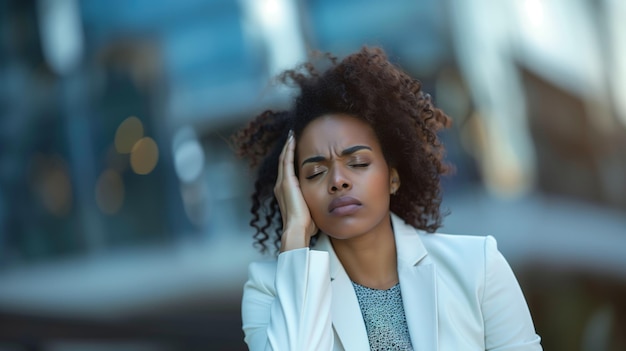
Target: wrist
<point>293,239</point>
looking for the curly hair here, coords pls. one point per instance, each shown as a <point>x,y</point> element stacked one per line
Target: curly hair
<point>365,85</point>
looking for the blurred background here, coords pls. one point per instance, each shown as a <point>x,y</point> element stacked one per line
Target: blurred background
<point>123,210</point>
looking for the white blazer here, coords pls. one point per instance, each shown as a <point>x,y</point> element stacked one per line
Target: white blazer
<point>458,292</point>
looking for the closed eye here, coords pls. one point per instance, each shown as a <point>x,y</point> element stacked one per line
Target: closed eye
<point>314,175</point>
<point>360,165</point>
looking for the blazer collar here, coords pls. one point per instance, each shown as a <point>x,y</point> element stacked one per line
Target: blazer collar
<point>417,285</point>
<point>409,247</point>
<point>345,307</point>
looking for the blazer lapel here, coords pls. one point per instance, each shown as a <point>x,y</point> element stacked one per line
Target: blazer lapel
<point>418,286</point>
<point>346,312</point>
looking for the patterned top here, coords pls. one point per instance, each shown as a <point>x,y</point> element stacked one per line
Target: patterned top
<point>384,318</point>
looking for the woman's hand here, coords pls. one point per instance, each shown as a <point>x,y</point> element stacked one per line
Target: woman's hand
<point>298,226</point>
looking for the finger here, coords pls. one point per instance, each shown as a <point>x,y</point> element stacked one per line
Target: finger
<point>281,158</point>
<point>288,166</point>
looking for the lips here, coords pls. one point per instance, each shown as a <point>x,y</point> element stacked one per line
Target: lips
<point>344,205</point>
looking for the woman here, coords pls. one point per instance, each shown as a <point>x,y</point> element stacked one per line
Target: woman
<point>349,180</point>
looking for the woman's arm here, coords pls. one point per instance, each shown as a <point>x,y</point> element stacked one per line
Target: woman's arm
<point>298,225</point>
<point>287,306</point>
<point>507,321</point>
<point>292,310</point>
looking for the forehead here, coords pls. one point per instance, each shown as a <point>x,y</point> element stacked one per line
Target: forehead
<point>335,132</point>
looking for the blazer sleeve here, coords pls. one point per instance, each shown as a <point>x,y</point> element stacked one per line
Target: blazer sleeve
<point>507,321</point>
<point>286,306</point>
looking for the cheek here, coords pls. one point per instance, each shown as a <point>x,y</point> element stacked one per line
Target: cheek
<point>309,194</point>
<point>381,181</point>
<point>313,199</point>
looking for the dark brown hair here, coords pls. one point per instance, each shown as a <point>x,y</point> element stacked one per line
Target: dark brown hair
<point>365,85</point>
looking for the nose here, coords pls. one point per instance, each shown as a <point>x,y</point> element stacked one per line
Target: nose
<point>338,181</point>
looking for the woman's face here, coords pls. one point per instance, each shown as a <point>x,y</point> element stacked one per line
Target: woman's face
<point>344,177</point>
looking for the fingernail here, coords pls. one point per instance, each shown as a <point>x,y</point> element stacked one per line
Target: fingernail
<point>290,134</point>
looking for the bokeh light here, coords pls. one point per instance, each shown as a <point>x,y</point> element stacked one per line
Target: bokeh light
<point>144,156</point>
<point>189,156</point>
<point>127,134</point>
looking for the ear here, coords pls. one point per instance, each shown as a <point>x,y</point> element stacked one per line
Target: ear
<point>394,181</point>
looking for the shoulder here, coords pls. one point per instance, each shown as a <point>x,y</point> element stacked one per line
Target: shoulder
<point>456,244</point>
<point>291,266</point>
<point>462,255</point>
<point>414,244</point>
<point>261,275</point>
<point>454,239</point>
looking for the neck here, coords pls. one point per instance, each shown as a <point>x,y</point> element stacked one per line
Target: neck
<point>370,259</point>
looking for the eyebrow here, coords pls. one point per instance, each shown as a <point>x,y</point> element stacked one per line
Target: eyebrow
<point>348,151</point>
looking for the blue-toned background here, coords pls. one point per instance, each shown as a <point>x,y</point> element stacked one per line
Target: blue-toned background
<point>123,210</point>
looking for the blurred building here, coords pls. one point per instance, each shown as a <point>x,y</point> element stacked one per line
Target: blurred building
<point>124,213</point>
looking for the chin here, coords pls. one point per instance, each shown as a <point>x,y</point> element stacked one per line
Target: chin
<point>342,237</point>
<point>345,230</point>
